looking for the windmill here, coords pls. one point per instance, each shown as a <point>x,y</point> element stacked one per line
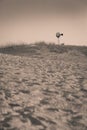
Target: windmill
<point>58,36</point>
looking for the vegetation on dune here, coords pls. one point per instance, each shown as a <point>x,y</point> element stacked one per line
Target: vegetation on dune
<point>39,47</point>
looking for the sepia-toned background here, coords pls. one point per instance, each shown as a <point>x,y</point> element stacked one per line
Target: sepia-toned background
<point>39,20</point>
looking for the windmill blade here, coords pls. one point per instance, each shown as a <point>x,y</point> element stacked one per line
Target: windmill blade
<point>58,34</point>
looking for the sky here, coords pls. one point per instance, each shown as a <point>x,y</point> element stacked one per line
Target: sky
<point>31,21</point>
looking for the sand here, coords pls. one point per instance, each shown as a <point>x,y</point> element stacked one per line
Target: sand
<point>47,92</point>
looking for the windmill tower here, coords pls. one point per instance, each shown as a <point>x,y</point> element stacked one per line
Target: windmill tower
<point>58,36</point>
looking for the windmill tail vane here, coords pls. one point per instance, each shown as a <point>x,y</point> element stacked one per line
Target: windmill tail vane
<point>61,34</point>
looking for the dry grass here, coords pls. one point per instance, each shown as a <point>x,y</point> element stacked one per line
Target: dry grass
<point>39,47</point>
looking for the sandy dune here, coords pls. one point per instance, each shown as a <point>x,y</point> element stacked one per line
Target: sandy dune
<point>47,92</point>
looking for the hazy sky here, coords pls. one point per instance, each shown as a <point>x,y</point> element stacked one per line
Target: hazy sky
<point>38,20</point>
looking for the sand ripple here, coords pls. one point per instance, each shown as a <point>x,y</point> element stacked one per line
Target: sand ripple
<point>48,93</point>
